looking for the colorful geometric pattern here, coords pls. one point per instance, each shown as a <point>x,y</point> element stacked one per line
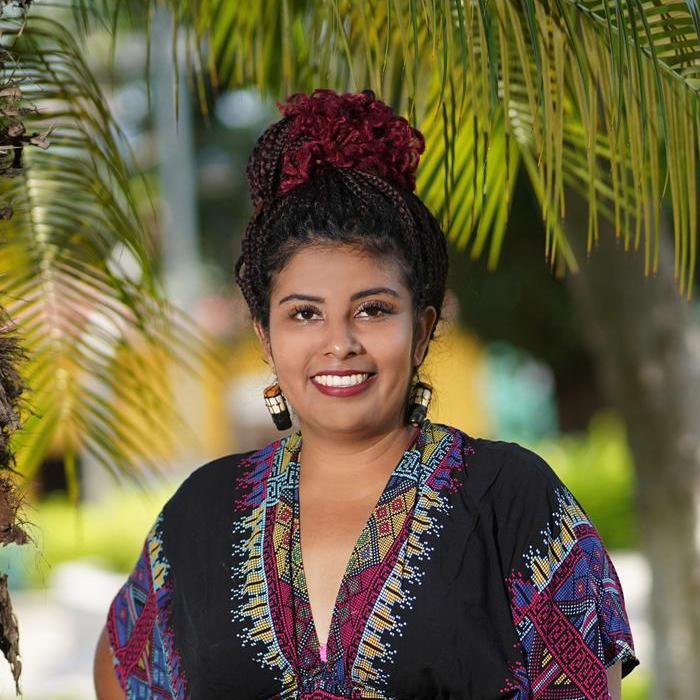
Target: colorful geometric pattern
<point>564,596</point>
<point>568,609</point>
<point>268,575</point>
<point>434,475</point>
<point>141,639</point>
<point>264,475</point>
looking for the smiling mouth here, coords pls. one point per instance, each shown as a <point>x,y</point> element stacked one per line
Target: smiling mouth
<point>334,380</point>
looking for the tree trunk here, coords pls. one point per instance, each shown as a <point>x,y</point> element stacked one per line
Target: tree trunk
<point>11,517</point>
<point>648,349</point>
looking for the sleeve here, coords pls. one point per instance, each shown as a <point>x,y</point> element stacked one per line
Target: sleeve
<point>565,596</point>
<point>139,627</point>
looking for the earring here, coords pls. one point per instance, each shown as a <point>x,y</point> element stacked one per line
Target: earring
<point>421,393</point>
<point>277,406</point>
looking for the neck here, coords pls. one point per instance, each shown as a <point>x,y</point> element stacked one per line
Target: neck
<point>325,455</point>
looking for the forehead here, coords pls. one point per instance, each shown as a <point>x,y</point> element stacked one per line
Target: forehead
<point>337,269</point>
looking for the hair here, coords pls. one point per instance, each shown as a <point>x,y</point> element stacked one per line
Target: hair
<point>339,170</point>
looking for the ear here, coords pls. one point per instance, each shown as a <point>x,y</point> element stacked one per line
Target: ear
<point>264,340</point>
<point>424,324</point>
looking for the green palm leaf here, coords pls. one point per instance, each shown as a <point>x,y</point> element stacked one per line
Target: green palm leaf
<point>99,341</point>
<point>615,81</point>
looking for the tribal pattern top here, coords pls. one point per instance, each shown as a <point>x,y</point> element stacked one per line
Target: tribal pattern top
<point>477,576</point>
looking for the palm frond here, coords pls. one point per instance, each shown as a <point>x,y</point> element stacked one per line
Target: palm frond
<point>99,341</point>
<point>625,72</point>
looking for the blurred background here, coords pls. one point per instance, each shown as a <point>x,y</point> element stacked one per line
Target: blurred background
<point>594,370</point>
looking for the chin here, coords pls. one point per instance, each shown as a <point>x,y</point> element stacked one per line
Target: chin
<point>347,423</point>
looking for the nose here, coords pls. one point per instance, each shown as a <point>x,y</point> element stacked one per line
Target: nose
<point>341,340</point>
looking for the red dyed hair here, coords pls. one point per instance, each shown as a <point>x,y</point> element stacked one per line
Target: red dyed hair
<point>352,130</point>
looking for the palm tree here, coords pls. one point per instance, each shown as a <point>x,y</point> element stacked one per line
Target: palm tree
<point>595,99</point>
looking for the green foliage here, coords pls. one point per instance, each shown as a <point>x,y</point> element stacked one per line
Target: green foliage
<point>590,95</point>
<point>77,269</point>
<point>109,533</point>
<point>597,468</point>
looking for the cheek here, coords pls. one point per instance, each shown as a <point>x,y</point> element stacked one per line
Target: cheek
<point>391,346</point>
<point>290,350</point>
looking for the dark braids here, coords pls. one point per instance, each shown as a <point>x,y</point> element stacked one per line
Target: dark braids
<point>262,169</point>
<point>315,181</point>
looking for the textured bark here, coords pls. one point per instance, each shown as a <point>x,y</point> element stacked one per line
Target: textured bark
<point>648,349</point>
<point>11,531</point>
<point>13,139</point>
<point>9,632</point>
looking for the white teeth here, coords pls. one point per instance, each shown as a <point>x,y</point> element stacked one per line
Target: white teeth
<point>335,380</point>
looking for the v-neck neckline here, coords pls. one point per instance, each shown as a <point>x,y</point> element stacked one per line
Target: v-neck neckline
<point>302,594</point>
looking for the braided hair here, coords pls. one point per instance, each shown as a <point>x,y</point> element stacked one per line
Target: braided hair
<point>339,170</point>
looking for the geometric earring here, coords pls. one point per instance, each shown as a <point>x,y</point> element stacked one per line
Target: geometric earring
<point>419,400</point>
<point>277,406</point>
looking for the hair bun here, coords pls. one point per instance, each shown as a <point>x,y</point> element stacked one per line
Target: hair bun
<point>352,130</point>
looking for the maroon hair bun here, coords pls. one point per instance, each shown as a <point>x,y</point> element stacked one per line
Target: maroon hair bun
<point>352,130</point>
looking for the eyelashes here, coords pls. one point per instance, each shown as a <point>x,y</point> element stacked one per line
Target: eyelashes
<point>375,309</point>
<point>305,308</point>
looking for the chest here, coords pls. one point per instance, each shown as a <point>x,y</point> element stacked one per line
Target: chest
<point>419,611</point>
<point>434,623</point>
<point>328,524</point>
<point>329,530</point>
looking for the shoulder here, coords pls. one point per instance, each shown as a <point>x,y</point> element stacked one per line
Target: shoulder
<point>515,460</point>
<point>203,505</point>
<point>499,467</point>
<point>218,472</point>
<point>212,484</point>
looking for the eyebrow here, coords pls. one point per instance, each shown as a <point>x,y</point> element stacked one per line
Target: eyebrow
<point>356,295</point>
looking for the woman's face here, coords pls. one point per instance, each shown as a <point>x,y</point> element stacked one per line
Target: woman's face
<point>335,309</point>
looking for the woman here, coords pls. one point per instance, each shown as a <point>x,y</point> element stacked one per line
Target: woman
<point>430,564</point>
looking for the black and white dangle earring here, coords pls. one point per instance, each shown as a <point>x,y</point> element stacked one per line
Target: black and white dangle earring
<point>277,406</point>
<point>421,393</point>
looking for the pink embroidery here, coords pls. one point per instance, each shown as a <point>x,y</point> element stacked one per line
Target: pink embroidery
<point>568,609</point>
<point>131,653</point>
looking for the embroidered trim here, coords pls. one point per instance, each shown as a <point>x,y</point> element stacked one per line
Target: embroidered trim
<point>259,486</point>
<point>568,609</point>
<point>384,567</point>
<point>146,661</point>
<point>434,478</point>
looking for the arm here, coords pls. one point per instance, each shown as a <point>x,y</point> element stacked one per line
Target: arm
<point>615,680</point>
<point>549,545</point>
<point>106,684</point>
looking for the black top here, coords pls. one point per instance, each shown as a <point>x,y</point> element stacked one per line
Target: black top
<point>477,576</point>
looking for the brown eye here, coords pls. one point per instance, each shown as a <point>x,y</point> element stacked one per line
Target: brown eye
<point>306,313</point>
<point>375,309</point>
